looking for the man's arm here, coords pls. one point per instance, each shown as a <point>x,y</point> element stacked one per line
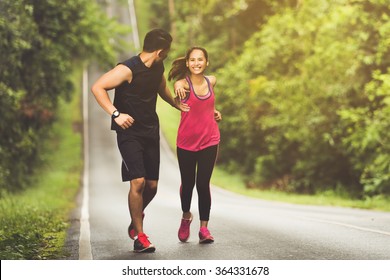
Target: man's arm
<point>166,95</point>
<point>181,88</point>
<point>108,81</point>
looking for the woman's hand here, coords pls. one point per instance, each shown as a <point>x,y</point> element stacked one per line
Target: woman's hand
<point>181,92</point>
<point>217,115</point>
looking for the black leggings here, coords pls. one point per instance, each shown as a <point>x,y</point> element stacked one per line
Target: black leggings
<point>197,167</point>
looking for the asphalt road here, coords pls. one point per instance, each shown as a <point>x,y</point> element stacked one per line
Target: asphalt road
<point>244,228</point>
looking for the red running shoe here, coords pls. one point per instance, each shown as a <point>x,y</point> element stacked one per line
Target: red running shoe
<point>142,244</point>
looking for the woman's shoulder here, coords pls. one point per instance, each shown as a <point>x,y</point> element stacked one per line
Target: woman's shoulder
<point>212,79</point>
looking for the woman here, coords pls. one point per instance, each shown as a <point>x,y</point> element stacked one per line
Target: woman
<point>198,137</point>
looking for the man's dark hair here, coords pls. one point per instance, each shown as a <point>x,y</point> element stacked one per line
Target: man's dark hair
<point>157,39</point>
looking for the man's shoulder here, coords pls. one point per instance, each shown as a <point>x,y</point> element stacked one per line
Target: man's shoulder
<point>133,63</point>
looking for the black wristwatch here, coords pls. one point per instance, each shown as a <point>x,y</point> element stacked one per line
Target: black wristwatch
<point>115,114</point>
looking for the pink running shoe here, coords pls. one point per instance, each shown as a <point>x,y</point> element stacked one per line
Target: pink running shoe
<point>184,230</point>
<point>205,236</point>
<point>131,230</point>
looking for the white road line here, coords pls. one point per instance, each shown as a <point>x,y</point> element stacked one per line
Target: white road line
<point>350,226</point>
<point>85,252</point>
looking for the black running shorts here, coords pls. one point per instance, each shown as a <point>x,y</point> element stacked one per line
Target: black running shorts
<point>140,157</point>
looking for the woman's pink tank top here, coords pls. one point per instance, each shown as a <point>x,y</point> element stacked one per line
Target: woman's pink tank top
<point>198,129</point>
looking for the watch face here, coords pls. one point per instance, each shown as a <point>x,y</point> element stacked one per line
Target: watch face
<point>115,114</point>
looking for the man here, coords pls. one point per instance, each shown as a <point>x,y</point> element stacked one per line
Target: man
<point>137,81</point>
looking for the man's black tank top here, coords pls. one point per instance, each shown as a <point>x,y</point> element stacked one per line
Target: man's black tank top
<point>138,98</point>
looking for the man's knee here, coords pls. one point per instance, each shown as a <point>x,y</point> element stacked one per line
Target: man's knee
<point>137,185</point>
<point>151,185</point>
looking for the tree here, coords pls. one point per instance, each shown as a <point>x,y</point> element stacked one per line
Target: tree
<point>41,43</point>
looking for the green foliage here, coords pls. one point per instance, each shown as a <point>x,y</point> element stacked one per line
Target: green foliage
<point>41,43</point>
<point>312,99</point>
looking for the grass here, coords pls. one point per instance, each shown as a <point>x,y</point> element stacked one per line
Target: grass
<point>33,223</point>
<point>235,183</point>
<point>169,120</point>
